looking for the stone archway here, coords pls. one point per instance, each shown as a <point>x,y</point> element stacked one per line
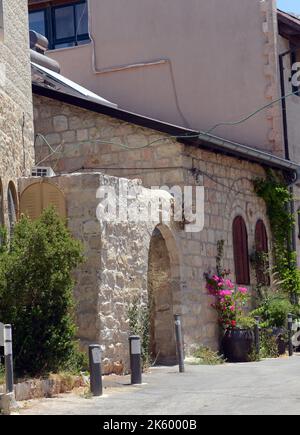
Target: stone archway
<point>163,287</point>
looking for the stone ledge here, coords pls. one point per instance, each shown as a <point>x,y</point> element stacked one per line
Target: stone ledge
<point>40,388</point>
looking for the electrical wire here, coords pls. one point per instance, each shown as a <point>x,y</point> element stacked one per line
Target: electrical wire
<point>79,23</point>
<point>187,136</point>
<point>252,114</point>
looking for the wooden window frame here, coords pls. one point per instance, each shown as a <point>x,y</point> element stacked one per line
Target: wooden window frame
<point>241,251</point>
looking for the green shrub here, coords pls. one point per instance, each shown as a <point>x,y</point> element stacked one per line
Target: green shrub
<point>246,322</point>
<point>36,294</point>
<point>268,345</point>
<point>2,374</point>
<point>274,312</point>
<point>139,324</point>
<point>206,356</point>
<point>277,197</point>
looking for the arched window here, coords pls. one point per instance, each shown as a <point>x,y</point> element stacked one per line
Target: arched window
<point>240,251</point>
<point>12,206</point>
<point>262,250</point>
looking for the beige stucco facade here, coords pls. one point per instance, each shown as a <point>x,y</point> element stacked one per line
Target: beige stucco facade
<point>16,118</point>
<point>190,63</point>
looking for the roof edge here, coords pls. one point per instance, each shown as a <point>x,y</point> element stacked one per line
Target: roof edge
<point>189,137</point>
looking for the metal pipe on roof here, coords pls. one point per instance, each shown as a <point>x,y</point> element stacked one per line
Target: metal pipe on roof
<point>38,42</point>
<point>254,154</point>
<point>44,61</point>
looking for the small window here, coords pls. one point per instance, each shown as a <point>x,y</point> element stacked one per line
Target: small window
<point>240,251</point>
<point>37,22</point>
<point>64,25</point>
<point>262,251</point>
<point>12,207</point>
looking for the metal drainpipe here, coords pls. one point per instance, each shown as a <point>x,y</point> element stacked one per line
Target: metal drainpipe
<point>292,244</point>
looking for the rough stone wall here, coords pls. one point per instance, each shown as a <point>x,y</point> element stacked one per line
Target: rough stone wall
<point>228,193</point>
<point>114,272</point>
<point>16,118</point>
<point>88,138</point>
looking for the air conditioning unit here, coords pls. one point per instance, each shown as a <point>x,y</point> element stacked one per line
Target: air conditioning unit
<point>42,171</point>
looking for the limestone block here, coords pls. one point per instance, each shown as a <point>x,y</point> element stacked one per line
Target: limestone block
<point>60,123</point>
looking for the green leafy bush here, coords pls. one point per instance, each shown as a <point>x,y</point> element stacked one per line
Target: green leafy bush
<point>277,197</point>
<point>274,311</point>
<point>36,294</point>
<point>246,322</point>
<point>268,345</point>
<point>139,324</point>
<point>2,374</point>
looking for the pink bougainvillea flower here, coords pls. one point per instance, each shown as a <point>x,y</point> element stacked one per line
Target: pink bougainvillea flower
<point>232,308</point>
<point>216,278</point>
<point>211,289</point>
<point>225,293</point>
<point>229,283</point>
<point>243,290</point>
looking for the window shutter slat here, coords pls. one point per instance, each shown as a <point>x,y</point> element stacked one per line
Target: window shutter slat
<point>240,249</point>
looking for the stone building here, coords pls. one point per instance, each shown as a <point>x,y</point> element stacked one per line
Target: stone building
<point>186,65</point>
<point>192,64</point>
<point>90,143</point>
<point>94,145</point>
<point>16,119</point>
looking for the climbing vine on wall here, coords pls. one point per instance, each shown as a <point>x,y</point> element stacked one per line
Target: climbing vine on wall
<point>277,198</point>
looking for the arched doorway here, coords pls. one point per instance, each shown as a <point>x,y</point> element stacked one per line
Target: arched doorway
<point>162,289</point>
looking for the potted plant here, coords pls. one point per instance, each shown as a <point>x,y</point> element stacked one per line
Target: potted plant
<point>229,301</point>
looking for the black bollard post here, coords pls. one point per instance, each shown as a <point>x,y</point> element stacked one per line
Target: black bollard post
<point>95,370</point>
<point>135,359</point>
<point>179,342</point>
<point>256,336</point>
<point>290,327</point>
<point>8,358</point>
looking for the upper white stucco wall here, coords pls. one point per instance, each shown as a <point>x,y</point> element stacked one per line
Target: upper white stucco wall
<point>217,51</point>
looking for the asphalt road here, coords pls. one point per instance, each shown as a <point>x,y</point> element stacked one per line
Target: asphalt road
<point>267,387</point>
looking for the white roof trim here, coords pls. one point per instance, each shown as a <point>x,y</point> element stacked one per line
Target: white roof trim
<point>74,87</point>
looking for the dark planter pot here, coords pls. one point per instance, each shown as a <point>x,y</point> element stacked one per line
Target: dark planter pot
<point>238,344</point>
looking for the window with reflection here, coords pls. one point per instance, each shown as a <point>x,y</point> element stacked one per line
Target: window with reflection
<point>64,24</point>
